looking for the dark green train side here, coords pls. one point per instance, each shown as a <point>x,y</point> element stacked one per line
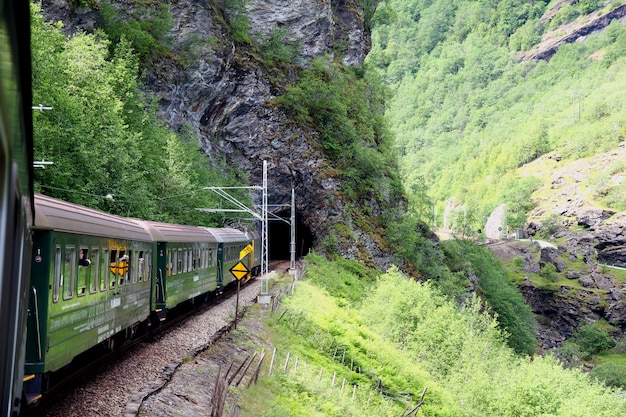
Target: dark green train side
<point>98,280</point>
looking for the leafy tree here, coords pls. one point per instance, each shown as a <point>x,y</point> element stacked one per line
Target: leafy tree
<point>145,26</point>
<point>104,136</point>
<point>514,316</point>
<point>592,339</point>
<point>613,375</point>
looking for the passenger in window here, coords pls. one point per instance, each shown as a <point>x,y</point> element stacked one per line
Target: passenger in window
<point>82,258</point>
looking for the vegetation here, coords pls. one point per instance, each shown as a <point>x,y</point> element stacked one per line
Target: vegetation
<point>104,136</point>
<point>467,112</point>
<point>513,314</point>
<point>406,336</point>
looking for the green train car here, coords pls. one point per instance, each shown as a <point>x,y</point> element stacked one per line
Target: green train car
<point>186,265</point>
<point>98,280</point>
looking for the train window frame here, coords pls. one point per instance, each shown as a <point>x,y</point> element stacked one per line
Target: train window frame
<point>57,273</point>
<point>170,264</point>
<point>104,271</point>
<point>82,272</point>
<point>69,262</point>
<point>179,261</point>
<point>149,266</point>
<point>95,264</point>
<point>127,274</point>
<point>140,267</point>
<point>132,271</point>
<point>190,260</point>
<point>112,264</point>
<point>174,261</point>
<point>185,258</point>
<point>123,277</point>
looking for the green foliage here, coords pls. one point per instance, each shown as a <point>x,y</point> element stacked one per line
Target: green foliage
<point>548,271</point>
<point>343,278</point>
<point>104,136</point>
<point>550,225</point>
<point>592,339</point>
<point>514,316</point>
<point>518,263</point>
<point>407,336</point>
<point>467,113</point>
<point>415,244</point>
<point>611,374</point>
<point>145,27</point>
<point>279,48</point>
<point>236,17</point>
<point>346,105</point>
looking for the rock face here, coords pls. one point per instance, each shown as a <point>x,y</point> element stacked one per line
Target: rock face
<point>572,32</point>
<point>224,95</point>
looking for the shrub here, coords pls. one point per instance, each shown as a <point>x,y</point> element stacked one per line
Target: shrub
<point>548,271</point>
<point>591,339</point>
<point>613,375</point>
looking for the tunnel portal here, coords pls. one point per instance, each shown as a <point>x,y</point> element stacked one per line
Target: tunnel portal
<point>280,237</point>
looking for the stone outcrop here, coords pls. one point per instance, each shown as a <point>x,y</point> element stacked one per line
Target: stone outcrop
<point>573,32</point>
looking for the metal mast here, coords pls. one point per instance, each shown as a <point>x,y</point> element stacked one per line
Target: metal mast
<point>292,251</point>
<point>264,233</point>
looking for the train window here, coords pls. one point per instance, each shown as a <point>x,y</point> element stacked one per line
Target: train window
<point>210,257</point>
<point>127,272</point>
<point>148,266</point>
<point>140,268</point>
<point>113,268</point>
<point>194,264</point>
<point>190,260</point>
<point>83,271</point>
<point>103,270</point>
<point>122,267</point>
<point>57,274</point>
<point>174,262</point>
<point>179,262</point>
<point>95,264</point>
<point>68,272</point>
<point>170,265</point>
<point>185,258</point>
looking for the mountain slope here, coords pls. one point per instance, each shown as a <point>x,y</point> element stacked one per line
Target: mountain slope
<point>468,112</point>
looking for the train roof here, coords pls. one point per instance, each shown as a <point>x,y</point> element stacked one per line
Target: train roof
<point>227,234</point>
<point>58,215</point>
<point>253,235</point>
<point>165,232</point>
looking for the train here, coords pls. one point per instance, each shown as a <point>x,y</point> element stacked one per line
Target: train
<point>74,278</point>
<point>98,280</point>
<point>16,200</point>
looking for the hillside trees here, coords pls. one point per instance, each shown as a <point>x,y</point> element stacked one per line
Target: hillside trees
<point>463,350</point>
<point>103,134</point>
<point>467,113</point>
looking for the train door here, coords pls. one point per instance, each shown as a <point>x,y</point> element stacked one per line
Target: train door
<point>162,273</point>
<point>220,268</point>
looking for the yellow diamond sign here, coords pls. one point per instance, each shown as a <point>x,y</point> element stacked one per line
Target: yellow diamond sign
<point>239,271</point>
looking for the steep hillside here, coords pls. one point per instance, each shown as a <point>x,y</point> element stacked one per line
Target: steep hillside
<point>488,89</point>
<point>228,75</point>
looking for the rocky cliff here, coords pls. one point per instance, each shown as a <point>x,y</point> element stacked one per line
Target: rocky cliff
<point>211,86</point>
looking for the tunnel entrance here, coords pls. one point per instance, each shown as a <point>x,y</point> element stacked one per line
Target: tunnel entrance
<point>280,237</point>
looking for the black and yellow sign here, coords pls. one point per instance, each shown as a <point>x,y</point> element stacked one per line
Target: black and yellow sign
<point>239,271</point>
<point>245,251</point>
<point>119,268</point>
